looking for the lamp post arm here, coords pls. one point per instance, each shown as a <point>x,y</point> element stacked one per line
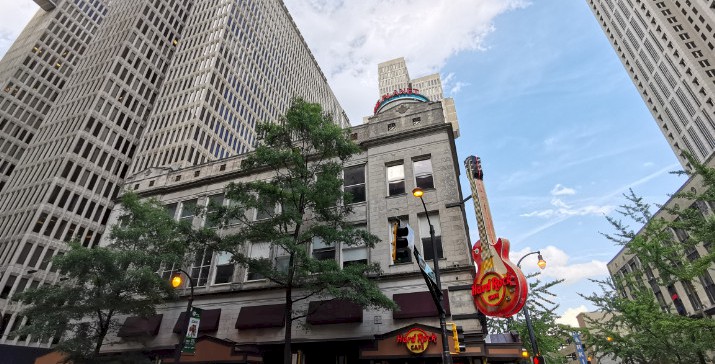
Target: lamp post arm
<point>518,264</point>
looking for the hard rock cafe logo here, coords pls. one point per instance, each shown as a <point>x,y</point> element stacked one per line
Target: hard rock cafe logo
<point>416,340</point>
<point>492,289</point>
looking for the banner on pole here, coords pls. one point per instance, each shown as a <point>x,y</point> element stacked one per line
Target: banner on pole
<point>192,331</point>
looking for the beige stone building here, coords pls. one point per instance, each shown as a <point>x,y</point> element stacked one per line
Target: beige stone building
<point>406,146</point>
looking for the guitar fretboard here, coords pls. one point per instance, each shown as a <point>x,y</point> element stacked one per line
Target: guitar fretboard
<point>485,225</point>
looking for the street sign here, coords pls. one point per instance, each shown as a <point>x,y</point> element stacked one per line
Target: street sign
<point>582,359</point>
<point>426,269</point>
<point>430,280</point>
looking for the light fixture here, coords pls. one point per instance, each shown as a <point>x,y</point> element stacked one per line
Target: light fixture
<point>176,281</point>
<point>524,353</point>
<point>417,192</point>
<point>542,262</point>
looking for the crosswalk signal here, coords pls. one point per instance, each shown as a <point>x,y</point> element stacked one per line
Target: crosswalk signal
<point>538,359</point>
<point>400,242</point>
<point>458,337</point>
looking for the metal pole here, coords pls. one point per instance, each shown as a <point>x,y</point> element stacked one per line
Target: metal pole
<point>446,356</point>
<point>182,337</point>
<point>529,326</point>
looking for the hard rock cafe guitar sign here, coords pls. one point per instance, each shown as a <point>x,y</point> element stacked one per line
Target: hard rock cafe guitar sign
<point>499,288</point>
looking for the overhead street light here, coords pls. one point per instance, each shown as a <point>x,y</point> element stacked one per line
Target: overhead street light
<point>446,356</point>
<point>529,326</point>
<point>176,281</point>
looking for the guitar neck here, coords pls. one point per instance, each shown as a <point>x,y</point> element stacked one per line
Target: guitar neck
<point>487,236</point>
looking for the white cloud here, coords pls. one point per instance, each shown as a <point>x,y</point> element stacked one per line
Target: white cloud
<point>558,266</point>
<point>14,15</point>
<point>560,190</point>
<point>564,210</point>
<point>569,316</point>
<point>425,32</point>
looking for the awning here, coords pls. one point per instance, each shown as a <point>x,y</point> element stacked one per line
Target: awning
<point>333,312</point>
<point>209,321</point>
<point>418,304</point>
<point>140,326</point>
<point>259,317</point>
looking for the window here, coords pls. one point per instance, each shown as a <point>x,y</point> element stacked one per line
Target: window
<point>258,251</point>
<point>323,250</point>
<point>224,268</point>
<point>354,182</point>
<point>427,250</point>
<point>8,286</point>
<point>188,209</point>
<point>214,202</point>
<point>692,296</point>
<point>282,259</point>
<point>423,173</point>
<point>396,179</point>
<point>201,266</point>
<point>171,209</point>
<point>354,254</point>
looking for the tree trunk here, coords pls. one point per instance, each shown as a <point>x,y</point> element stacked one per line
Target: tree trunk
<point>287,350</point>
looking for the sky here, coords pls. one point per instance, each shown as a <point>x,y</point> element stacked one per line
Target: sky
<point>541,98</point>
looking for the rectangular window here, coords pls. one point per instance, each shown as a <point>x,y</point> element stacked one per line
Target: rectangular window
<point>355,254</point>
<point>171,209</point>
<point>214,202</point>
<point>258,251</point>
<point>423,173</point>
<point>188,209</point>
<point>8,286</point>
<point>354,183</point>
<point>426,239</point>
<point>396,180</point>
<point>223,273</point>
<point>201,266</point>
<point>323,250</point>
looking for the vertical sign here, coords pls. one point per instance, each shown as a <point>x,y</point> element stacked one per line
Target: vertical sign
<point>192,331</point>
<point>579,348</point>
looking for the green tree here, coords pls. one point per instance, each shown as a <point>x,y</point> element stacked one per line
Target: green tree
<point>642,329</point>
<point>637,331</point>
<point>542,313</point>
<point>101,283</point>
<point>300,202</point>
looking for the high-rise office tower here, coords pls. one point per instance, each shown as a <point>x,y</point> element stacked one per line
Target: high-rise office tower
<point>109,87</point>
<point>667,47</point>
<point>393,76</point>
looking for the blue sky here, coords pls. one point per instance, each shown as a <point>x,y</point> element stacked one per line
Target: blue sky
<point>541,97</point>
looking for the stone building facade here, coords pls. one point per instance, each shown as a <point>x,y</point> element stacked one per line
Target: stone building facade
<point>403,147</point>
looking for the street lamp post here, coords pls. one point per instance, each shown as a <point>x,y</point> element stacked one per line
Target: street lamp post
<point>446,356</point>
<point>176,281</point>
<point>530,328</point>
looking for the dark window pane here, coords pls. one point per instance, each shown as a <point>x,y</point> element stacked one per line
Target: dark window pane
<point>424,181</point>
<point>397,187</point>
<point>357,193</point>
<point>354,175</point>
<point>224,273</point>
<point>427,247</point>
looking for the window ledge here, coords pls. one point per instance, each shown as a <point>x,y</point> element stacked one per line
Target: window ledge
<point>397,195</point>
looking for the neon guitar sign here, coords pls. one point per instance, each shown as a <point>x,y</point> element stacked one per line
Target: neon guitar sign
<point>499,288</point>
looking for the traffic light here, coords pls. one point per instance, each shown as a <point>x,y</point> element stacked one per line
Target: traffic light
<point>458,335</point>
<point>538,359</point>
<point>400,242</point>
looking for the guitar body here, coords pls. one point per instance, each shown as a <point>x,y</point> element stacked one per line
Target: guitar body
<point>499,288</point>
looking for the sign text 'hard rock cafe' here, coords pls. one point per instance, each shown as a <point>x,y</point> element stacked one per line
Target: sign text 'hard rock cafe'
<point>491,290</point>
<point>416,340</point>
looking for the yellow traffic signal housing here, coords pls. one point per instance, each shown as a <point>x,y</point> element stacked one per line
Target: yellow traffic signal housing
<point>458,339</point>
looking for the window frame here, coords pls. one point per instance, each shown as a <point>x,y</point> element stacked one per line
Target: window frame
<point>388,180</point>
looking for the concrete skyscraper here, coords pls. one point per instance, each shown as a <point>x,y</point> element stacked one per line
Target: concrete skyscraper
<point>667,47</point>
<point>94,89</point>
<point>393,75</point>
